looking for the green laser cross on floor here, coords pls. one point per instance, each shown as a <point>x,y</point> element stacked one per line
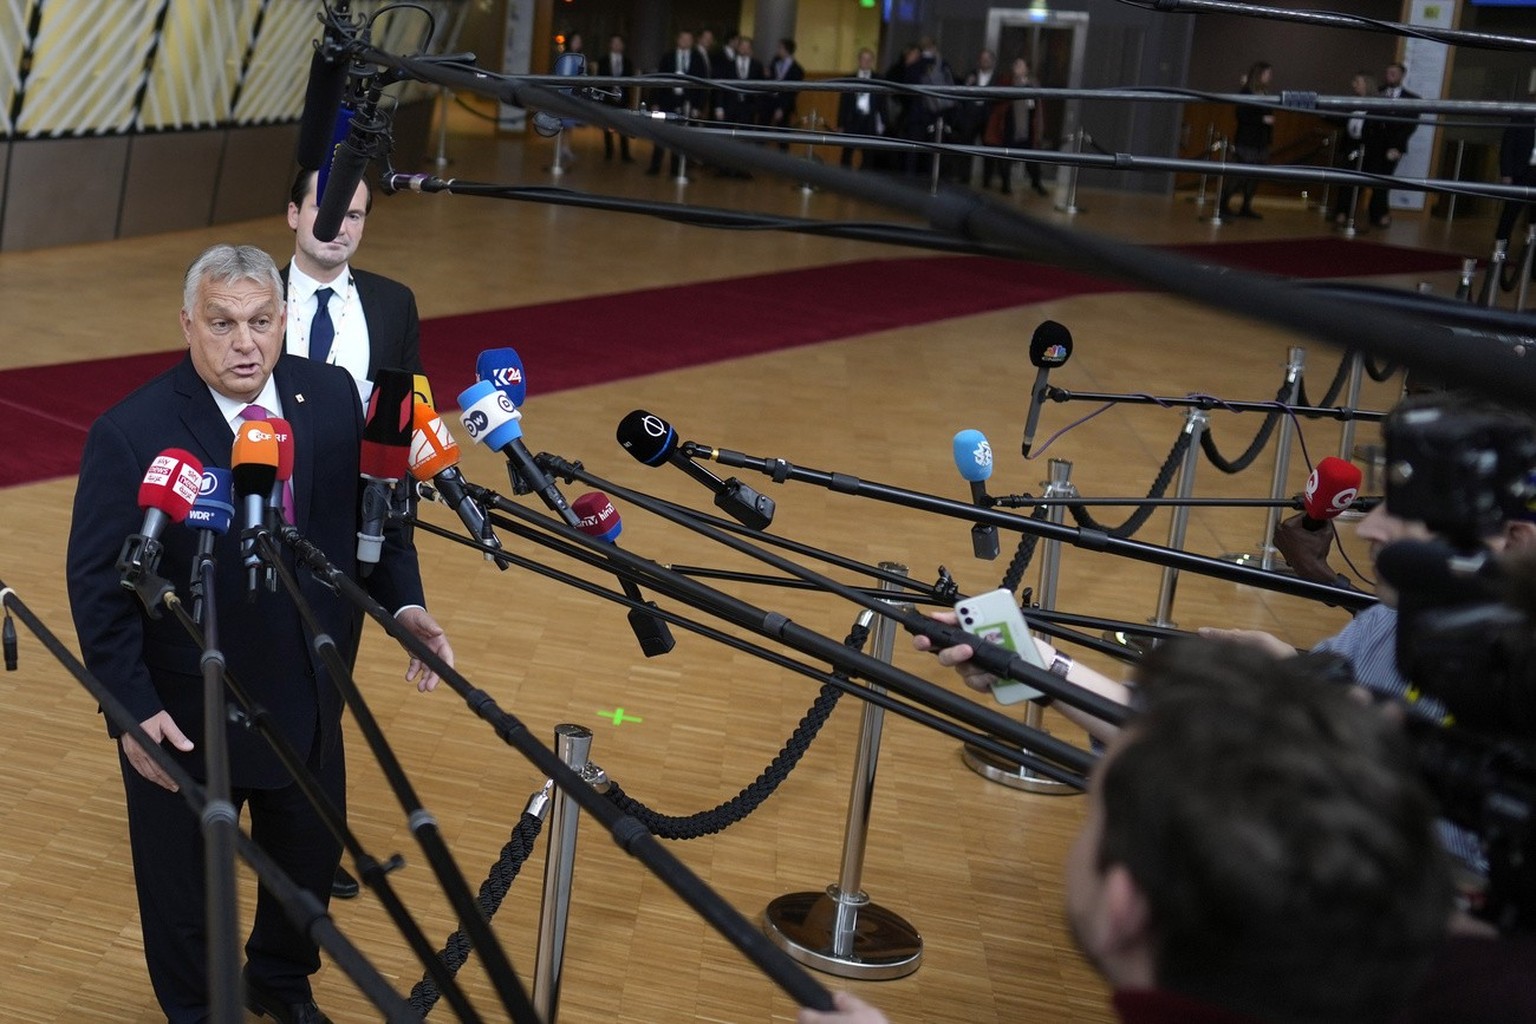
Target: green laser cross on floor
<point>618,716</point>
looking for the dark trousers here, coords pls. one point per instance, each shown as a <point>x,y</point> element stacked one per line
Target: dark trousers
<point>1244,186</point>
<point>1381,197</point>
<point>608,136</point>
<point>1346,197</point>
<point>167,845</point>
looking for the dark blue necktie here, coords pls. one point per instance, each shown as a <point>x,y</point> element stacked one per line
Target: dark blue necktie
<point>321,331</point>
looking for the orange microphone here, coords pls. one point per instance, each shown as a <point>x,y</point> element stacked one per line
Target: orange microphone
<point>434,459</point>
<point>253,465</point>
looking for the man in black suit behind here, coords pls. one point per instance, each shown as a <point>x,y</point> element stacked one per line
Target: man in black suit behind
<point>615,64</point>
<point>373,319</point>
<point>232,319</point>
<point>683,60</point>
<point>1385,149</point>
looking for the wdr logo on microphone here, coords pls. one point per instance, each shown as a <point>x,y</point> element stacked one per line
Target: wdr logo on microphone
<point>207,485</point>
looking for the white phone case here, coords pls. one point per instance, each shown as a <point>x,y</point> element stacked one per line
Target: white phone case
<point>995,617</point>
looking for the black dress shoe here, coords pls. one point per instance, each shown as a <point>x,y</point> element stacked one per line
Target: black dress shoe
<point>263,1002</point>
<point>344,886</point>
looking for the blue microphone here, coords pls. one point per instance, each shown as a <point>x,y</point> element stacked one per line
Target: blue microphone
<point>491,419</point>
<point>211,513</point>
<point>503,367</point>
<point>973,458</point>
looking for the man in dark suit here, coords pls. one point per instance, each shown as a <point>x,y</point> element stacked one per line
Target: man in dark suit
<point>683,60</point>
<point>371,320</point>
<point>1384,151</point>
<point>615,64</point>
<point>387,334</point>
<point>232,319</point>
<point>863,113</point>
<point>1517,166</point>
<point>742,109</point>
<point>785,69</point>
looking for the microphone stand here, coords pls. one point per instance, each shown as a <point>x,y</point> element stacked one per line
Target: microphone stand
<point>1295,504</point>
<point>1207,402</point>
<point>630,835</point>
<point>220,819</point>
<point>989,657</point>
<point>302,908</point>
<point>1093,540</point>
<point>370,870</point>
<point>872,695</point>
<point>422,824</point>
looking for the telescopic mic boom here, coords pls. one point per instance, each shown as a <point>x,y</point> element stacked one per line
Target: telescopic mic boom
<point>491,420</point>
<point>651,440</point>
<point>435,460</point>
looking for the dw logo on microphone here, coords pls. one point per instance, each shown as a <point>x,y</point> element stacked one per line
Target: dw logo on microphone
<point>475,422</point>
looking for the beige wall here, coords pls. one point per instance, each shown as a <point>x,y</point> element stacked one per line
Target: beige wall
<point>828,34</point>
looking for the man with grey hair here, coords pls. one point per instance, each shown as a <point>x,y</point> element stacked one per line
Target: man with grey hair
<point>234,370</point>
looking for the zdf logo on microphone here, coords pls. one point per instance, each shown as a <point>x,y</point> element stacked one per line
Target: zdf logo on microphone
<point>255,435</point>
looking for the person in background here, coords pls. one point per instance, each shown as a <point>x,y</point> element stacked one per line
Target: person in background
<point>1255,132</point>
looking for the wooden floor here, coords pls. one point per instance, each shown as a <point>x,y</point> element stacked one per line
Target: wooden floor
<point>975,867</point>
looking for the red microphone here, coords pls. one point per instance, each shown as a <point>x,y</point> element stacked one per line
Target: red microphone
<point>283,431</point>
<point>1332,488</point>
<point>170,486</point>
<point>600,521</point>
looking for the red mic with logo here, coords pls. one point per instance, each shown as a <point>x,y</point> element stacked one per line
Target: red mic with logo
<point>283,431</point>
<point>166,494</point>
<point>1332,488</point>
<point>600,520</point>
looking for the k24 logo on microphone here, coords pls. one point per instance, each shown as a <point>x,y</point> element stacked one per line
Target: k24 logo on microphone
<point>506,376</point>
<point>982,453</point>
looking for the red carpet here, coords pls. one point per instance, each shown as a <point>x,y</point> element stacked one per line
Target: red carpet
<point>611,337</point>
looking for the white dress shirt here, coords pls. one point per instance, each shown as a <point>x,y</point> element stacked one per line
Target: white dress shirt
<point>350,349</point>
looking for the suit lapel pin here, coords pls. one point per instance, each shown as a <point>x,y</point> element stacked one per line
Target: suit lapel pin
<point>298,398</point>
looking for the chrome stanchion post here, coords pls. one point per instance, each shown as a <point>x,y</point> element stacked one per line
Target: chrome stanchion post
<point>1496,261</point>
<point>1215,219</point>
<point>1071,208</point>
<point>938,138</point>
<point>1285,435</point>
<point>1178,524</point>
<point>1323,205</point>
<point>841,931</point>
<point>1464,283</point>
<point>682,158</point>
<point>979,761</point>
<point>1350,231</point>
<point>813,122</point>
<point>573,744</point>
<point>1450,203</point>
<point>1525,268</point>
<point>442,127</point>
<point>1351,401</point>
<point>558,167</point>
<point>1210,138</point>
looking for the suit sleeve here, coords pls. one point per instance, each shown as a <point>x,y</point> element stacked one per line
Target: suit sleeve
<point>107,619</point>
<point>410,342</point>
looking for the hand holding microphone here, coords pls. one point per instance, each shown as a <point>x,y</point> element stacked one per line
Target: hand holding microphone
<point>1304,540</point>
<point>973,458</point>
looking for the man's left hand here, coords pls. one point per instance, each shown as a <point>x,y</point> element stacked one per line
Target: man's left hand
<point>425,628</point>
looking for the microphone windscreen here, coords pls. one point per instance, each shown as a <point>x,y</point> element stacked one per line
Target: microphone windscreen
<point>1332,487</point>
<point>647,437</point>
<point>339,133</point>
<point>253,461</point>
<point>387,432</point>
<point>503,367</point>
<point>1051,345</point>
<point>973,455</point>
<point>283,431</point>
<point>423,388</point>
<point>171,483</point>
<point>214,507</point>
<point>599,518</point>
<point>433,448</point>
<point>489,415</point>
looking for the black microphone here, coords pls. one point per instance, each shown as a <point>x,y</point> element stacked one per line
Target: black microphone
<point>1050,347</point>
<point>384,457</point>
<point>651,440</point>
<point>8,640</point>
<point>322,97</point>
<point>367,129</point>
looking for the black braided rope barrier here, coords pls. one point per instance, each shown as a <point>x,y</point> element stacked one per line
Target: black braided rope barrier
<point>1334,387</point>
<point>493,890</point>
<point>723,816</point>
<point>1023,554</point>
<point>1379,373</point>
<point>1142,513</point>
<point>1260,439</point>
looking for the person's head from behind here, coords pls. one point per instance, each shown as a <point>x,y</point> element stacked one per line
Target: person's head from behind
<point>232,318</point>
<point>1258,840</point>
<point>324,260</point>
